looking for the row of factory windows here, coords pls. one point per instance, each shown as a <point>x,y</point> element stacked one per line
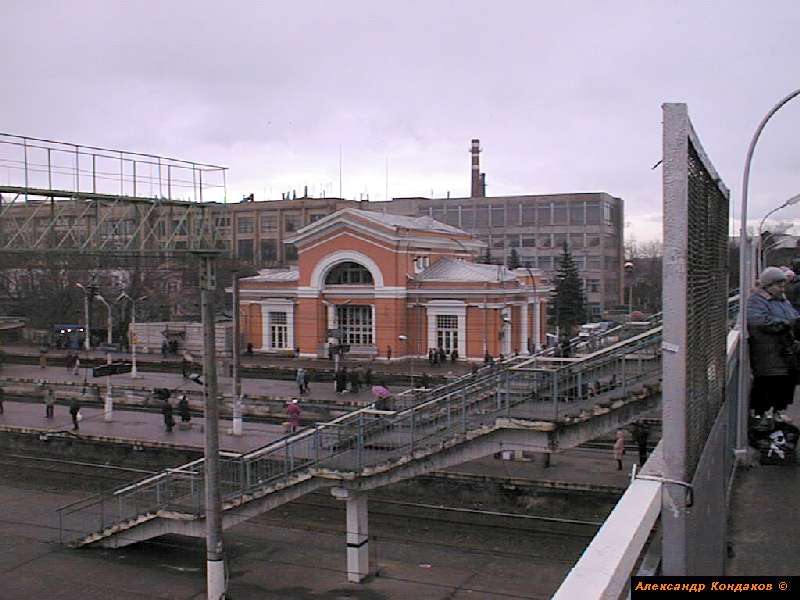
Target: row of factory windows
<point>575,241</point>
<point>540,213</point>
<point>267,222</point>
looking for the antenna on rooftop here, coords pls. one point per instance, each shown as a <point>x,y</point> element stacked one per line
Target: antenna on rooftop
<point>340,170</point>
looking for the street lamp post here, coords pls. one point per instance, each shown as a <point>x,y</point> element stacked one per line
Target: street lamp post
<point>745,277</point>
<point>132,336</point>
<point>404,338</point>
<point>760,252</point>
<point>87,344</point>
<point>108,409</point>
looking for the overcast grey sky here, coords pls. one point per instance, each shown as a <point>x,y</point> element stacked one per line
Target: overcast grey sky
<point>564,96</point>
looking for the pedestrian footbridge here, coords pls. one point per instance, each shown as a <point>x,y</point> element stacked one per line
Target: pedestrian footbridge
<point>536,404</point>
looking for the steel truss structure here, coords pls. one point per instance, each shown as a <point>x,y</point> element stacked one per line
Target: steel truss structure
<point>104,202</point>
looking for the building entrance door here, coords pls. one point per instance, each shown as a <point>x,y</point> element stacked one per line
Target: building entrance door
<point>447,332</point>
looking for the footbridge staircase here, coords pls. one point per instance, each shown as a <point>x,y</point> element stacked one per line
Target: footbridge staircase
<point>537,404</point>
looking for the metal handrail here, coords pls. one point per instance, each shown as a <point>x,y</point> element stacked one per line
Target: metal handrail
<point>348,443</point>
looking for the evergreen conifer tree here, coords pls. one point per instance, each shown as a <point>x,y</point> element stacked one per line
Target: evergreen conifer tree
<point>513,259</point>
<point>567,307</point>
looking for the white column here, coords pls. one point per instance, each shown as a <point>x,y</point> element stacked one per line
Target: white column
<point>374,326</point>
<point>523,324</point>
<point>264,327</point>
<point>290,326</point>
<point>462,334</point>
<point>537,328</point>
<point>431,331</point>
<point>357,534</point>
<point>331,316</point>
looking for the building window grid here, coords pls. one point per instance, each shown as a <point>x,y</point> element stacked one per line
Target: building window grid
<point>278,330</point>
<point>447,332</point>
<point>245,225</point>
<point>355,324</point>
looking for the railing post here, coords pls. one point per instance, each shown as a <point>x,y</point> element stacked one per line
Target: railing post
<point>555,394</point>
<point>449,416</point>
<point>412,429</point>
<point>286,459</point>
<point>316,444</point>
<point>508,393</point>
<point>360,440</point>
<point>622,375</point>
<point>464,412</point>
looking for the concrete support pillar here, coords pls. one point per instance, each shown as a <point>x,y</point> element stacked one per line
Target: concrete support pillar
<point>524,329</point>
<point>357,534</point>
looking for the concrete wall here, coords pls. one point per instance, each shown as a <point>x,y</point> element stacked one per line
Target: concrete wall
<point>149,337</point>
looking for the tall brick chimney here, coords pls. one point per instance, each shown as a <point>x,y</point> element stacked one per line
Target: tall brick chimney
<point>476,170</point>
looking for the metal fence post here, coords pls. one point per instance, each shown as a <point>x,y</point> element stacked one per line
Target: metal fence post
<point>464,412</point>
<point>412,429</point>
<point>316,444</point>
<point>622,374</point>
<point>360,439</point>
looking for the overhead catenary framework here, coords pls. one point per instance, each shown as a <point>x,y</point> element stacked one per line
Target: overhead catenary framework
<point>69,201</point>
<point>73,199</point>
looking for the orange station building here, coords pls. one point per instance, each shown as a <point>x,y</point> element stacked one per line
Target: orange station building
<point>391,286</point>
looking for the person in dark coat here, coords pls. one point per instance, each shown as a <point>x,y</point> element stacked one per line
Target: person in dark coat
<point>169,421</point>
<point>641,432</point>
<point>771,320</point>
<point>183,409</point>
<point>341,380</point>
<point>74,410</point>
<point>355,381</point>
<point>425,381</point>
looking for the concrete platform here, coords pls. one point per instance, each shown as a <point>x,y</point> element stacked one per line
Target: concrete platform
<point>764,529</point>
<point>131,427</point>
<point>274,388</point>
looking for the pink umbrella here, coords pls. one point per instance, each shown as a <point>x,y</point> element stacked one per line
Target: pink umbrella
<point>380,391</point>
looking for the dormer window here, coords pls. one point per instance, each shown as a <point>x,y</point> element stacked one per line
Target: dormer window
<point>421,263</point>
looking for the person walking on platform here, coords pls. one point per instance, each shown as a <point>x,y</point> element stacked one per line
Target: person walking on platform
<point>355,381</point>
<point>619,448</point>
<point>341,380</point>
<point>49,403</point>
<point>76,365</point>
<point>641,432</point>
<point>293,412</point>
<point>169,421</point>
<point>74,412</point>
<point>183,409</point>
<point>300,380</point>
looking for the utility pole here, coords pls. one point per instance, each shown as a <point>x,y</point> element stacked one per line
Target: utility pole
<point>237,376</point>
<point>215,560</point>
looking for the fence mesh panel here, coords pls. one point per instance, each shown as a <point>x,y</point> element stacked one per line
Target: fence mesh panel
<point>706,305</point>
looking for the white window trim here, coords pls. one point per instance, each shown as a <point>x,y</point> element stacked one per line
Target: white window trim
<point>447,307</point>
<point>276,305</point>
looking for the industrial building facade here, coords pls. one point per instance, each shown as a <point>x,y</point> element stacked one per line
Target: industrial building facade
<point>538,226</point>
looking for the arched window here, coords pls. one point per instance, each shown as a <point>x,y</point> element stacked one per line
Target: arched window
<point>349,273</point>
